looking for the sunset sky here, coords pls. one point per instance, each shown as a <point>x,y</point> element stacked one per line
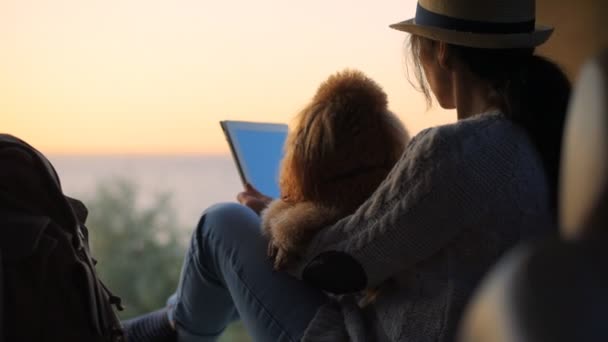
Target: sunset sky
<point>156,76</point>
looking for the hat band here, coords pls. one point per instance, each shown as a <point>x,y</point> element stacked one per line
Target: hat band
<point>427,18</point>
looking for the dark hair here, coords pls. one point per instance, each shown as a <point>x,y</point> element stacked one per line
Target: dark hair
<point>530,90</point>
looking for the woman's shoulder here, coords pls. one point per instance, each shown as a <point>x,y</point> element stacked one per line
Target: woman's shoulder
<point>475,126</point>
<point>479,132</point>
<point>485,142</point>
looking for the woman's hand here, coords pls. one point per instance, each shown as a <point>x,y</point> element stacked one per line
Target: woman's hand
<point>253,199</point>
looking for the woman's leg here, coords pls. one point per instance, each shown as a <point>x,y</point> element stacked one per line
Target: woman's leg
<point>227,275</point>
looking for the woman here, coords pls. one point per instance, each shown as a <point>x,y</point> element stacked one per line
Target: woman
<point>460,196</point>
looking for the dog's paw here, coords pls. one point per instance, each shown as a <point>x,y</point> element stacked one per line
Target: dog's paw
<point>281,256</point>
<point>291,227</point>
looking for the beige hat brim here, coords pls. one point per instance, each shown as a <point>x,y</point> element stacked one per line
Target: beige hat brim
<point>476,40</point>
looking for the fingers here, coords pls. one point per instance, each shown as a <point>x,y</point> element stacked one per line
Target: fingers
<point>253,199</point>
<point>246,197</point>
<point>242,197</point>
<point>251,190</point>
<point>251,202</point>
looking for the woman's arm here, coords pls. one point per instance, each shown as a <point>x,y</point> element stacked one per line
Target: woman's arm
<point>424,202</point>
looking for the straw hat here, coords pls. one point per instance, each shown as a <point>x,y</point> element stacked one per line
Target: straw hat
<point>491,24</point>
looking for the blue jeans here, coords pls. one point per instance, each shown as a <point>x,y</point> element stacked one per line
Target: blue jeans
<point>226,276</point>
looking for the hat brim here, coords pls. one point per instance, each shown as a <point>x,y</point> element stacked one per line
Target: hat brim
<point>477,40</point>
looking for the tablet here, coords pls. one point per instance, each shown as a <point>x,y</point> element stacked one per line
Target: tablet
<point>257,149</point>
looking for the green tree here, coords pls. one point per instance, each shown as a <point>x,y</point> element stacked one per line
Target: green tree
<point>140,248</point>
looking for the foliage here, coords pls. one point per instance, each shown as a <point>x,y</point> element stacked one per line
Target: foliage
<point>140,248</point>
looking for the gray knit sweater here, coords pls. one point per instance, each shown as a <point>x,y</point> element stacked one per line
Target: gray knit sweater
<point>460,196</point>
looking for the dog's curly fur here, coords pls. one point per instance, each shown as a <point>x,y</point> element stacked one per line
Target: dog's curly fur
<point>342,146</point>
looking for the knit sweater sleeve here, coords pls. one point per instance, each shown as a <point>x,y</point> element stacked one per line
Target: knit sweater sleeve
<point>424,202</point>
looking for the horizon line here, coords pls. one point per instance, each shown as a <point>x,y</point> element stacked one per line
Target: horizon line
<point>138,154</point>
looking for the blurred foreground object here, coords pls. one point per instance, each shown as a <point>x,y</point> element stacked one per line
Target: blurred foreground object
<point>558,290</point>
<point>50,290</point>
<point>584,172</point>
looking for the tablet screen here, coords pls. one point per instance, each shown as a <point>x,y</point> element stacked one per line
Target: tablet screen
<point>257,149</point>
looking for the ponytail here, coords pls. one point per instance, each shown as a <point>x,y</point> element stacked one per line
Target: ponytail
<point>532,92</point>
<point>541,92</point>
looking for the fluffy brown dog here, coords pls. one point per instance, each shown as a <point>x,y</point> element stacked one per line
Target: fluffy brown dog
<point>343,145</point>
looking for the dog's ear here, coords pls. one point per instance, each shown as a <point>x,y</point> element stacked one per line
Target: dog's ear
<point>288,178</point>
<point>396,135</point>
<point>292,179</point>
<point>305,152</point>
<point>289,181</point>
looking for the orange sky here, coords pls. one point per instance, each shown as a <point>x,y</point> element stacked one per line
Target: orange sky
<point>156,76</point>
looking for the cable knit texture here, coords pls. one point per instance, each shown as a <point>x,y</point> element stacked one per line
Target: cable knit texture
<point>460,196</point>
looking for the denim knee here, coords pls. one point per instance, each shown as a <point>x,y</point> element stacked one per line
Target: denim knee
<point>221,215</point>
<point>227,209</point>
<point>222,223</point>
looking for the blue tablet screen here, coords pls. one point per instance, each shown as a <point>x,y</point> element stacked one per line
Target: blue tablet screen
<point>260,153</point>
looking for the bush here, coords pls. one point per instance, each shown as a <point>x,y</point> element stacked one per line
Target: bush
<point>140,249</point>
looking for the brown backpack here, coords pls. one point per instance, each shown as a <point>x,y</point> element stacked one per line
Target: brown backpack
<point>49,288</point>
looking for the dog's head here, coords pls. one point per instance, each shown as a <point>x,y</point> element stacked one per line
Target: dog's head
<point>342,144</point>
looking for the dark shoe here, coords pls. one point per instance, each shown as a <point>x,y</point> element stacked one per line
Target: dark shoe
<point>151,327</point>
